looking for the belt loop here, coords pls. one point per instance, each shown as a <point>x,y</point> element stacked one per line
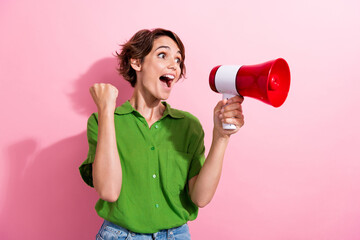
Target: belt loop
<point>170,233</point>
<point>130,233</point>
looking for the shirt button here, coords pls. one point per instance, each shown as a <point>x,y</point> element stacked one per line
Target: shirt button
<point>156,126</point>
<point>157,205</point>
<point>154,176</point>
<point>152,148</point>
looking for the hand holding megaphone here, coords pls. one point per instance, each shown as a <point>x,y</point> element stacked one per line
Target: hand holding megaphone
<point>268,82</point>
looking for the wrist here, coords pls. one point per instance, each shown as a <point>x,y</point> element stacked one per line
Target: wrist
<point>105,112</point>
<point>217,136</point>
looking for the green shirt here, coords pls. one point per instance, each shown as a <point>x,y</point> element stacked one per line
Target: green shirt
<point>156,163</point>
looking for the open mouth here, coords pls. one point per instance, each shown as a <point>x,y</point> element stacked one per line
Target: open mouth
<point>167,78</point>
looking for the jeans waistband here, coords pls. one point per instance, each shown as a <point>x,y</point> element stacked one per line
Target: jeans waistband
<point>122,229</point>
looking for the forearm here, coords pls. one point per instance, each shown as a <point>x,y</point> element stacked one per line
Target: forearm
<point>107,175</point>
<point>207,181</point>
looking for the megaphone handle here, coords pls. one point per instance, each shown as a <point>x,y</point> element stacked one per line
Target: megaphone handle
<point>227,125</point>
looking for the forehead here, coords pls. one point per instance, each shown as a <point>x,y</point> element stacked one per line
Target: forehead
<point>166,42</point>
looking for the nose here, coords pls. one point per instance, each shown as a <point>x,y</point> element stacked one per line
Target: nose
<point>172,64</point>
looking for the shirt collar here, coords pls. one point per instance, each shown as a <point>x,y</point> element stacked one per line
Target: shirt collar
<point>126,108</point>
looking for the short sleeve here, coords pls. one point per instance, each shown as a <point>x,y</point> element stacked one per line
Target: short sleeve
<point>86,167</point>
<point>199,153</point>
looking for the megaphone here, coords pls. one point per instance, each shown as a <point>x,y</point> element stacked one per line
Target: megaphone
<point>268,82</point>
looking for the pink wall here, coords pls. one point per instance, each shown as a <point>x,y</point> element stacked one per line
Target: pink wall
<point>291,173</point>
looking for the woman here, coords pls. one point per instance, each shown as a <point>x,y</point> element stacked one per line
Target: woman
<point>146,160</point>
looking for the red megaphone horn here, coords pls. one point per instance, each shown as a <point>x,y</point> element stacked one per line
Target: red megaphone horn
<point>268,82</point>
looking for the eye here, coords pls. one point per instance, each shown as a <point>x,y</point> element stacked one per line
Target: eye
<point>161,55</point>
<point>178,60</point>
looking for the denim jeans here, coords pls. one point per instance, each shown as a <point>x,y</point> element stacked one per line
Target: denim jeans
<point>111,231</point>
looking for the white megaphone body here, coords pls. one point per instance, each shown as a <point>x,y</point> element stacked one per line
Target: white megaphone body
<point>268,82</point>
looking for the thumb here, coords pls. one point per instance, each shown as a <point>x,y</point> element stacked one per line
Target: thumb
<point>219,105</point>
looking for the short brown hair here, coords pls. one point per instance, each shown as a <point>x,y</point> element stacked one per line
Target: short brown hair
<point>139,46</point>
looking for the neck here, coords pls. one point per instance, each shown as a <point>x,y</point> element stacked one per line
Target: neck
<point>149,107</point>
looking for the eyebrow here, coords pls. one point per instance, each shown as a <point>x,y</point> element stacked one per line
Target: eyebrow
<point>167,47</point>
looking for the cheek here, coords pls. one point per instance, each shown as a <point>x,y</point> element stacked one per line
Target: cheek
<point>150,71</point>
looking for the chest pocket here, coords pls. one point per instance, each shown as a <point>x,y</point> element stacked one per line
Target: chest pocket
<point>177,169</point>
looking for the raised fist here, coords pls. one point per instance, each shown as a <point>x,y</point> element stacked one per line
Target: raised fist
<point>104,95</point>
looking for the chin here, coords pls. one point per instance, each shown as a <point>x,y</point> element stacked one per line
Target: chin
<point>165,97</point>
<point>165,94</point>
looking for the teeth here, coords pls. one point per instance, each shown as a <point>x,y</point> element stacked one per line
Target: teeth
<point>169,76</point>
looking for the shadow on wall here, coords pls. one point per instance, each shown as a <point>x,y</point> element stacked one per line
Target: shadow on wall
<point>47,198</point>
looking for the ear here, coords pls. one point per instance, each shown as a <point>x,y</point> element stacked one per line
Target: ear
<point>135,64</point>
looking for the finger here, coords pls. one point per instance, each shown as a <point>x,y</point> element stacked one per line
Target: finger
<point>93,94</point>
<point>91,90</point>
<point>239,122</point>
<point>232,107</point>
<point>237,98</point>
<point>116,91</point>
<point>220,105</point>
<point>95,88</point>
<point>231,114</point>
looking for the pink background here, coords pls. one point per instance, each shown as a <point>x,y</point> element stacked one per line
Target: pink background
<point>291,173</point>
